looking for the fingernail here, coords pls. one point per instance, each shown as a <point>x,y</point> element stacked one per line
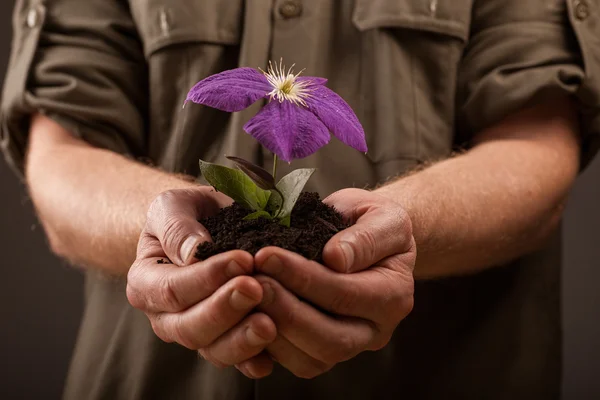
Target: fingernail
<point>268,294</point>
<point>254,339</point>
<point>244,370</point>
<point>188,248</point>
<point>272,265</point>
<point>233,269</point>
<point>240,301</point>
<point>348,255</point>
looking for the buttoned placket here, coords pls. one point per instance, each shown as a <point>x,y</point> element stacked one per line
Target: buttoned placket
<point>254,52</point>
<point>288,16</point>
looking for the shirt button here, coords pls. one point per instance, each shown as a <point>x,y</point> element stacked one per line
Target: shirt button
<point>290,9</point>
<point>582,9</point>
<point>32,18</point>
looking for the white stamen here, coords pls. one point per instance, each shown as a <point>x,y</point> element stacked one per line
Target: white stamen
<point>285,86</point>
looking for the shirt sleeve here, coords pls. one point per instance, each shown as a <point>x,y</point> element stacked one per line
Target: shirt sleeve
<point>522,51</point>
<point>80,63</point>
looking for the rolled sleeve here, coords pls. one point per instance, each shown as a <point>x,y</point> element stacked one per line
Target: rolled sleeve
<point>81,64</point>
<point>521,52</point>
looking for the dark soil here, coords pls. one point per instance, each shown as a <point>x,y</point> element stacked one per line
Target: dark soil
<point>313,223</point>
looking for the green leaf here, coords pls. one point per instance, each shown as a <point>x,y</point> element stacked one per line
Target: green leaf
<point>285,221</point>
<point>291,187</point>
<point>257,215</point>
<point>235,184</point>
<point>260,176</point>
<point>274,203</point>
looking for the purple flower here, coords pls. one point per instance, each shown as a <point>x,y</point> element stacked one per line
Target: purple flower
<point>299,116</point>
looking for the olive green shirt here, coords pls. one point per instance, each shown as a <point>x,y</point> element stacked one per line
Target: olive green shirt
<point>423,76</point>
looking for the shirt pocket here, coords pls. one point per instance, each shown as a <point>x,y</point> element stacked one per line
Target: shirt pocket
<point>184,42</point>
<point>164,23</point>
<point>410,54</point>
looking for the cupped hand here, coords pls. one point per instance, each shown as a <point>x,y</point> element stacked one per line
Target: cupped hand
<point>206,305</point>
<point>326,314</point>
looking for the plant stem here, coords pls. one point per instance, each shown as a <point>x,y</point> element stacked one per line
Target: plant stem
<point>275,166</point>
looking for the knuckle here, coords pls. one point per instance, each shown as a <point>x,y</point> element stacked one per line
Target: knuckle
<point>166,219</point>
<point>344,300</point>
<point>211,275</point>
<point>159,204</point>
<point>290,317</point>
<point>344,348</point>
<point>243,349</point>
<point>303,281</point>
<point>207,354</point>
<point>158,328</point>
<point>398,310</point>
<point>133,297</point>
<point>213,317</point>
<point>143,245</point>
<point>354,193</point>
<point>131,291</point>
<point>396,299</point>
<point>173,233</point>
<point>163,200</point>
<point>380,342</point>
<point>365,245</point>
<point>182,336</point>
<point>168,295</point>
<point>408,305</point>
<point>401,216</point>
<point>214,273</point>
<point>136,289</point>
<point>404,224</point>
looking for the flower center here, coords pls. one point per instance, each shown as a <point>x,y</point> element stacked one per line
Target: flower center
<point>286,86</point>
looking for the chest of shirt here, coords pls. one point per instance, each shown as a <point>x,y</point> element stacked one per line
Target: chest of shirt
<point>394,61</point>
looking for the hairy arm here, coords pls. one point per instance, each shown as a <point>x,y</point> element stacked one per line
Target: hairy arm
<point>91,202</point>
<point>499,200</point>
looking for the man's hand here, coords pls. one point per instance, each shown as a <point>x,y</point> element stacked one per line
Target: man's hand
<point>204,305</point>
<point>326,315</point>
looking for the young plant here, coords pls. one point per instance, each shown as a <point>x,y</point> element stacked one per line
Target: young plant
<point>295,123</point>
<point>255,188</point>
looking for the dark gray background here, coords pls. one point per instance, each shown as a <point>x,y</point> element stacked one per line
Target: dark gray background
<point>43,296</point>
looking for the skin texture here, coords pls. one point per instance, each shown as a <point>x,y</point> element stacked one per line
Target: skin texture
<point>91,202</point>
<point>493,203</point>
<point>499,200</point>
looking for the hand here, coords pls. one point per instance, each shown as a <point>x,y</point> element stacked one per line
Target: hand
<point>325,315</point>
<point>204,305</point>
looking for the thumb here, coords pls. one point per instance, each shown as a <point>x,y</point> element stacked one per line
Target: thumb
<point>382,229</point>
<point>173,220</point>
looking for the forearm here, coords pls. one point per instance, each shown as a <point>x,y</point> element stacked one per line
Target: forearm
<point>91,202</point>
<point>495,202</point>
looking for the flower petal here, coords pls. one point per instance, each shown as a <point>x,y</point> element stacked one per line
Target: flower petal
<point>232,90</point>
<point>337,116</point>
<point>288,130</point>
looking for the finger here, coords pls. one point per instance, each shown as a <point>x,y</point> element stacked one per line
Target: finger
<point>321,337</point>
<point>381,229</point>
<point>257,367</point>
<point>377,294</point>
<point>243,342</point>
<point>202,324</point>
<point>154,287</point>
<point>296,361</point>
<point>173,219</point>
